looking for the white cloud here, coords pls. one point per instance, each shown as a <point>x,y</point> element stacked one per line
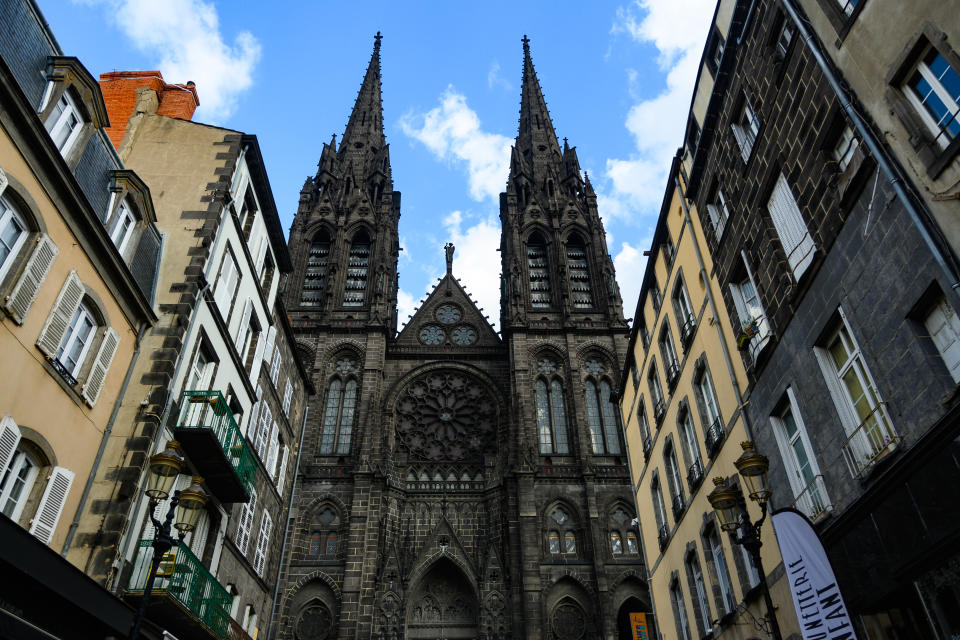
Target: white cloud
<point>452,132</point>
<point>406,304</point>
<point>494,79</point>
<point>476,260</point>
<point>678,29</point>
<point>630,263</point>
<point>185,38</point>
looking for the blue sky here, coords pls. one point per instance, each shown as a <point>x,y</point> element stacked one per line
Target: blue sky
<point>617,77</point>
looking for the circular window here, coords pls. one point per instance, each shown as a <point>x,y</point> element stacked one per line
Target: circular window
<point>314,623</point>
<point>464,335</point>
<point>568,622</point>
<point>448,314</point>
<point>431,335</point>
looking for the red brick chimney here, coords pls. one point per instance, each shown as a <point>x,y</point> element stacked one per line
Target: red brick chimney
<point>120,93</point>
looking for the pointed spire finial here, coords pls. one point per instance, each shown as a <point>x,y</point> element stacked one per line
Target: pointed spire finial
<point>377,38</point>
<point>526,43</point>
<point>449,249</point>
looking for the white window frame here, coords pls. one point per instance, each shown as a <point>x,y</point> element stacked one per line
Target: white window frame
<point>845,147</point>
<point>810,494</point>
<point>942,135</point>
<point>228,280</point>
<point>8,217</point>
<point>700,590</point>
<point>943,325</point>
<point>753,576</point>
<point>7,482</point>
<point>746,128</point>
<point>659,507</point>
<point>65,108</point>
<point>677,596</point>
<point>750,308</point>
<point>287,397</point>
<point>860,451</point>
<point>275,366</point>
<point>722,571</point>
<point>262,551</point>
<point>719,214</point>
<point>708,396</point>
<point>794,235</point>
<point>690,440</point>
<point>83,313</point>
<point>118,234</point>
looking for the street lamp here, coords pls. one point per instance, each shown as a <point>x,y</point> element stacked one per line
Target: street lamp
<point>731,509</point>
<point>185,505</point>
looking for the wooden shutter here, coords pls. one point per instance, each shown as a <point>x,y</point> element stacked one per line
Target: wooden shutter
<point>255,413</point>
<point>260,444</point>
<point>9,439</point>
<point>274,449</point>
<point>275,365</point>
<point>59,319</point>
<point>98,374</point>
<point>258,357</point>
<point>241,328</point>
<point>44,523</point>
<point>944,328</point>
<point>791,228</point>
<point>282,474</point>
<point>4,181</point>
<point>25,291</point>
<point>246,520</point>
<point>268,347</point>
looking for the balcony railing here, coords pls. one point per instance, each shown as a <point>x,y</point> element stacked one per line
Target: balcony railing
<point>686,331</point>
<point>182,576</point>
<point>813,500</point>
<point>647,447</point>
<point>673,373</point>
<point>678,504</point>
<point>714,437</point>
<point>872,441</point>
<point>659,410</point>
<point>694,475</point>
<point>208,410</point>
<point>663,536</point>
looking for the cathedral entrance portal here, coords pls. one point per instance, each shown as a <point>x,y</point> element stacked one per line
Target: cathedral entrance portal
<point>443,605</point>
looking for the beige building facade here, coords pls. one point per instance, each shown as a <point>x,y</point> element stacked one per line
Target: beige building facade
<point>681,407</point>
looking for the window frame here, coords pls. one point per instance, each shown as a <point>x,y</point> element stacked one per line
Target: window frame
<point>792,230</point>
<point>787,444</point>
<point>746,127</point>
<point>65,107</point>
<point>719,214</point>
<point>10,215</point>
<point>336,444</point>
<point>28,483</point>
<point>605,429</point>
<point>124,211</point>
<point>83,312</point>
<point>556,417</point>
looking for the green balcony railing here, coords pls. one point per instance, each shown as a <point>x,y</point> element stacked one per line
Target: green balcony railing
<point>209,410</point>
<point>183,576</point>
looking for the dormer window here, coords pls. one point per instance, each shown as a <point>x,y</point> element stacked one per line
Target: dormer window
<point>122,225</point>
<point>64,123</point>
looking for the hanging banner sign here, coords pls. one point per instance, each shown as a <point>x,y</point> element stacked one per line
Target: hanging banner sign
<point>820,608</point>
<point>638,624</point>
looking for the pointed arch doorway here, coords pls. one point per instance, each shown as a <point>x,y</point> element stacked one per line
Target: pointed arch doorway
<point>443,605</point>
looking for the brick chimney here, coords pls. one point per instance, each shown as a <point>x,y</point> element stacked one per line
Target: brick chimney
<point>121,91</point>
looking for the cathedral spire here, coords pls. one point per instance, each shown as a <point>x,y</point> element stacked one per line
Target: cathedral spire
<point>365,127</point>
<point>536,128</point>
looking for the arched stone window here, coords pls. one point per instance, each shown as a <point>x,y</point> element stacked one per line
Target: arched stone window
<point>551,414</point>
<point>324,533</point>
<point>539,271</point>
<point>315,277</point>
<point>578,271</point>
<point>561,531</point>
<point>338,416</point>
<point>357,269</point>
<point>601,415</point>
<point>622,533</point>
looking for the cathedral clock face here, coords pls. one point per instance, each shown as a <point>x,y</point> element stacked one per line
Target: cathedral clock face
<point>446,416</point>
<point>464,335</point>
<point>431,335</point>
<point>448,314</point>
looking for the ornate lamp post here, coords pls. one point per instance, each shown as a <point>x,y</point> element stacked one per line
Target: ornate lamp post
<point>731,509</point>
<point>186,505</point>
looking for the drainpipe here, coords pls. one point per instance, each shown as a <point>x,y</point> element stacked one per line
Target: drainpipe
<point>920,218</point>
<point>103,443</point>
<point>713,309</point>
<point>286,528</point>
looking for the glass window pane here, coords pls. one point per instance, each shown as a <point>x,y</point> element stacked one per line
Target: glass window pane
<point>569,543</point>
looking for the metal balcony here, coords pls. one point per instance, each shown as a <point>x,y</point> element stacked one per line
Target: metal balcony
<point>186,598</point>
<point>714,437</point>
<point>209,436</point>
<point>813,500</point>
<point>678,504</point>
<point>694,475</point>
<point>663,536</point>
<point>647,448</point>
<point>687,330</point>
<point>673,374</point>
<point>659,410</point>
<point>872,441</point>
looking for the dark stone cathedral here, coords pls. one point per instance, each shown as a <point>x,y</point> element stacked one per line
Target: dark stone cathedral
<point>455,482</point>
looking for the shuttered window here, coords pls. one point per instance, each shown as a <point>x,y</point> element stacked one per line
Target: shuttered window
<point>263,431</point>
<point>579,274</point>
<point>315,278</point>
<point>287,397</point>
<point>944,328</point>
<point>25,291</point>
<point>44,523</point>
<point>61,316</point>
<point>246,522</point>
<point>793,233</point>
<point>357,268</point>
<point>275,365</point>
<point>227,282</point>
<point>263,543</point>
<point>98,373</point>
<point>282,473</point>
<point>539,274</point>
<point>13,233</point>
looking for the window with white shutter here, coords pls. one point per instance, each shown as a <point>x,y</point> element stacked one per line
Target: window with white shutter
<point>246,522</point>
<point>98,374</point>
<point>263,431</point>
<point>241,332</point>
<point>9,439</point>
<point>59,320</point>
<point>282,473</point>
<point>746,128</point>
<point>227,282</point>
<point>274,448</point>
<point>793,232</point>
<point>275,365</point>
<point>944,328</point>
<point>13,234</point>
<point>252,425</point>
<point>44,523</point>
<point>263,543</point>
<point>25,291</point>
<point>287,397</point>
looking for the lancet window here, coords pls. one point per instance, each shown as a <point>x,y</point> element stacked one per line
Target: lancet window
<point>551,415</point>
<point>357,270</point>
<point>315,278</point>
<point>579,273</point>
<point>539,270</point>
<point>601,415</point>
<point>338,416</point>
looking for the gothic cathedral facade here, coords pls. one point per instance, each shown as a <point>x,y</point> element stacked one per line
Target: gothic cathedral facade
<point>455,482</point>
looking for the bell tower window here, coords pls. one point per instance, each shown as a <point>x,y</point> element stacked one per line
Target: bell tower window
<point>539,273</point>
<point>357,269</point>
<point>315,278</point>
<point>579,274</point>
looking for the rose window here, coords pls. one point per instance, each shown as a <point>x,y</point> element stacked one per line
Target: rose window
<point>568,622</point>
<point>431,335</point>
<point>314,623</point>
<point>446,415</point>
<point>464,336</point>
<point>448,314</point>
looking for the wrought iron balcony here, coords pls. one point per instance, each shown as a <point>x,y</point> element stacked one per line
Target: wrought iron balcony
<point>694,475</point>
<point>714,437</point>
<point>872,441</point>
<point>678,504</point>
<point>209,435</point>
<point>673,373</point>
<point>184,592</point>
<point>663,536</point>
<point>813,500</point>
<point>659,410</point>
<point>687,330</point>
<point>647,447</point>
